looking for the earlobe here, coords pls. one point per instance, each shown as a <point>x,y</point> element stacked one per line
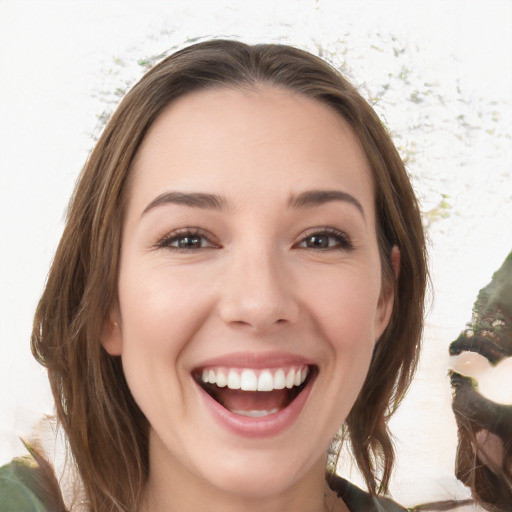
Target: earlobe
<point>111,335</point>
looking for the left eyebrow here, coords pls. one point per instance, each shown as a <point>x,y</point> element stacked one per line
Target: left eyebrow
<point>311,198</point>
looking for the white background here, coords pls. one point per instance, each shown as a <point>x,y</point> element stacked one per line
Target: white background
<point>440,74</point>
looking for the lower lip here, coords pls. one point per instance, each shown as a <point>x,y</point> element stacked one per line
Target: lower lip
<point>265,426</point>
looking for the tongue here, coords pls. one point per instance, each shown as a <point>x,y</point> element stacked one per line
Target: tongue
<point>236,400</point>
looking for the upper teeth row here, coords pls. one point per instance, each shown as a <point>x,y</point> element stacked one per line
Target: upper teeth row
<point>248,380</point>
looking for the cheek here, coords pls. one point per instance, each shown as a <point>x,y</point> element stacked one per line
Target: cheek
<point>160,307</point>
<point>345,320</point>
<point>160,311</point>
<point>345,309</point>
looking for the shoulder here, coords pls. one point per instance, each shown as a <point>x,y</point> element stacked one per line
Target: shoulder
<point>358,500</point>
<point>15,490</point>
<point>26,486</point>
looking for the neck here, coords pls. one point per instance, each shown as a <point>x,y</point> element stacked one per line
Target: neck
<point>171,487</point>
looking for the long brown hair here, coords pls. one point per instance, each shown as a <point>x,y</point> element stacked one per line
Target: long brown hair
<point>107,432</point>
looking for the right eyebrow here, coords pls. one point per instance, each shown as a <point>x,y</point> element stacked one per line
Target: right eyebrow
<point>192,199</point>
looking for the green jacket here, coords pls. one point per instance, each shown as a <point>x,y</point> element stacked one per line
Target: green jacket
<point>28,484</point>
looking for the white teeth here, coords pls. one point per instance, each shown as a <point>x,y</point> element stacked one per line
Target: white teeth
<point>266,381</point>
<point>255,414</point>
<point>222,381</point>
<point>279,380</point>
<point>290,379</point>
<point>233,380</point>
<point>248,381</point>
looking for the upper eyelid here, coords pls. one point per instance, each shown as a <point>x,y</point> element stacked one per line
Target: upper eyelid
<point>329,231</point>
<point>196,231</point>
<point>162,241</point>
<point>323,230</point>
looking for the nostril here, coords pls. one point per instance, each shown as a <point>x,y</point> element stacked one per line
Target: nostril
<point>261,318</point>
<point>258,299</point>
<point>259,325</point>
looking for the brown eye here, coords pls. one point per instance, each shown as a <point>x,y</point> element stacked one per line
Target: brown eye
<point>186,241</point>
<point>317,242</point>
<point>326,240</point>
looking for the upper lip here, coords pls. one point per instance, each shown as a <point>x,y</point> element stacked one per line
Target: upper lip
<point>255,360</point>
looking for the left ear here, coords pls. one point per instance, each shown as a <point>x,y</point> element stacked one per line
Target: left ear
<point>111,335</point>
<point>387,294</point>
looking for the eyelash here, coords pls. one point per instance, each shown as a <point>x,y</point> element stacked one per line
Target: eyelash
<point>341,240</point>
<point>181,234</point>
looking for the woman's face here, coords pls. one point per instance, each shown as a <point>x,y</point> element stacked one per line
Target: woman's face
<point>249,260</point>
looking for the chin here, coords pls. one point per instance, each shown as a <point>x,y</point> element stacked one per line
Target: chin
<point>257,480</point>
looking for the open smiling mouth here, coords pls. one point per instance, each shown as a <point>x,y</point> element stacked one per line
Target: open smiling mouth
<point>255,393</point>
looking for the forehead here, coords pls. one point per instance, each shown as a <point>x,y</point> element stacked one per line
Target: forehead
<point>241,139</point>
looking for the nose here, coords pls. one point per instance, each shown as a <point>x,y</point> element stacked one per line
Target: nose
<point>258,294</point>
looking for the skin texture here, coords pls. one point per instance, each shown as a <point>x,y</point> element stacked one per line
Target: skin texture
<point>254,286</point>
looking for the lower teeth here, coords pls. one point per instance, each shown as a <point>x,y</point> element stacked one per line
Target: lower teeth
<point>256,413</point>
